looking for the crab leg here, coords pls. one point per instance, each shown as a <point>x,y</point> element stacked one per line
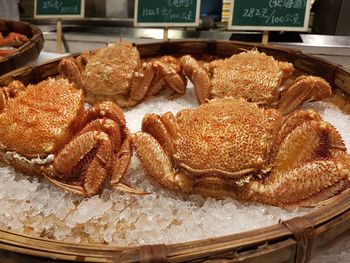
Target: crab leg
<point>108,110</point>
<point>306,185</point>
<point>295,178</point>
<point>295,119</point>
<point>174,80</point>
<point>156,126</point>
<point>109,127</point>
<point>96,170</point>
<point>92,183</point>
<point>82,59</point>
<point>120,165</point>
<point>141,81</point>
<point>199,77</point>
<point>287,68</point>
<point>157,163</point>
<point>75,189</point>
<point>312,140</point>
<point>305,88</point>
<point>291,122</point>
<point>121,162</point>
<point>124,151</point>
<point>156,85</point>
<point>71,70</point>
<point>97,148</point>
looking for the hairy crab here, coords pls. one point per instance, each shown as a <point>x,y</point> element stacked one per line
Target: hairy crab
<point>256,77</point>
<point>232,148</point>
<point>117,73</point>
<point>44,130</point>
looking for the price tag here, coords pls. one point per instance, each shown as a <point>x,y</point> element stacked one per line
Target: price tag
<point>166,13</point>
<point>271,15</point>
<point>59,8</point>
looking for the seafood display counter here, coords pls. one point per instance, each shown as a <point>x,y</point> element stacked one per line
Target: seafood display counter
<point>45,223</point>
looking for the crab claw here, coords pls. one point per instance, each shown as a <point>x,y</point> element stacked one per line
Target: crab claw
<point>304,89</point>
<point>120,168</point>
<point>69,69</point>
<point>175,81</point>
<point>141,82</point>
<point>198,76</point>
<point>89,152</point>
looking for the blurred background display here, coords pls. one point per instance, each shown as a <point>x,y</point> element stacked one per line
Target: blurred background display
<point>327,17</point>
<point>9,9</point>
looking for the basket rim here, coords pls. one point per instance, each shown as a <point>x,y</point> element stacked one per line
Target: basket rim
<point>35,42</point>
<point>319,217</point>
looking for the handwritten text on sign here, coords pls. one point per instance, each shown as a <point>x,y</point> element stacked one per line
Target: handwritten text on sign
<point>270,14</point>
<point>166,12</point>
<point>59,8</point>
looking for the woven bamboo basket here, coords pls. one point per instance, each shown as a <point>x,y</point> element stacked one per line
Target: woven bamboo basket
<point>292,240</point>
<point>27,52</point>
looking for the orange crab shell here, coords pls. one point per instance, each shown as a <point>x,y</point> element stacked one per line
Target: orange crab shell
<point>19,126</point>
<point>116,73</point>
<point>205,141</point>
<point>259,70</point>
<point>110,66</point>
<point>256,77</point>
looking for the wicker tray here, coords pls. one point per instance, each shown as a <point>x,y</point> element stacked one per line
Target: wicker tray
<point>288,241</point>
<point>25,53</point>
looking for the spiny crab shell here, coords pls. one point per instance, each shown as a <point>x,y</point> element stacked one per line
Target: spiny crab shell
<point>31,117</point>
<point>256,77</point>
<point>116,73</point>
<point>232,148</point>
<point>44,130</point>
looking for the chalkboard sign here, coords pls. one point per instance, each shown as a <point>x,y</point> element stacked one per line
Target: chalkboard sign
<point>59,8</point>
<point>166,13</point>
<point>286,15</point>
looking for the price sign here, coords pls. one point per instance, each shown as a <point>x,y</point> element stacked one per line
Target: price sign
<point>59,8</point>
<point>278,15</point>
<point>166,13</point>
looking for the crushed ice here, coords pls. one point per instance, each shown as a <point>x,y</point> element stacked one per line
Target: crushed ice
<point>33,206</point>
